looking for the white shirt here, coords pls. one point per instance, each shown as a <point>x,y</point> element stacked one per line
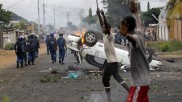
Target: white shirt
<point>109,48</point>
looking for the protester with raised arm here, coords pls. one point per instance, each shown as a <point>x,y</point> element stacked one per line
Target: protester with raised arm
<point>140,72</point>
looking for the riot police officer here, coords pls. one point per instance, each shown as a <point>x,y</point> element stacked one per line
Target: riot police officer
<point>62,48</point>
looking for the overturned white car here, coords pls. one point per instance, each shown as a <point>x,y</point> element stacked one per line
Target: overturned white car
<point>93,47</point>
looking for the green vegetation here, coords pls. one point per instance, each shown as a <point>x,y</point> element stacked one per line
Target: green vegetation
<point>5,16</point>
<point>9,46</point>
<point>147,17</point>
<point>5,99</point>
<point>49,78</point>
<point>15,17</point>
<point>4,81</point>
<point>166,46</point>
<point>116,10</point>
<point>90,19</point>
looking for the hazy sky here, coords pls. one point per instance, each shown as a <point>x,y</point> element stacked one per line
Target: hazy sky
<point>28,9</point>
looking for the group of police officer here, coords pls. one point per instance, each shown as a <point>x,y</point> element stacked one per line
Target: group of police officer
<point>26,47</point>
<point>52,44</point>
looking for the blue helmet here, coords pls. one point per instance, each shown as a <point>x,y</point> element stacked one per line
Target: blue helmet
<point>51,34</point>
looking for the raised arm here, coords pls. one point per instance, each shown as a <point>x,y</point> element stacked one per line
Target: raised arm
<point>105,22</point>
<point>134,10</point>
<point>100,18</point>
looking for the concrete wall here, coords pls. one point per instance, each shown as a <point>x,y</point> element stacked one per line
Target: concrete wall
<point>9,37</point>
<point>163,30</point>
<point>177,30</point>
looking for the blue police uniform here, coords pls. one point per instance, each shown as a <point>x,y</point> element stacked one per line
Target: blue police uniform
<point>19,50</point>
<point>47,45</point>
<point>52,47</point>
<point>61,45</point>
<point>30,50</point>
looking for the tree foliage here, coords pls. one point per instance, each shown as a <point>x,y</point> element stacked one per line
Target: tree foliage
<point>116,10</point>
<point>148,6</point>
<point>5,16</point>
<point>147,17</point>
<point>15,17</point>
<point>90,19</point>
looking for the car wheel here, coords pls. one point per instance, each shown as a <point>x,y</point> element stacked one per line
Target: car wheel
<point>148,55</point>
<point>90,38</point>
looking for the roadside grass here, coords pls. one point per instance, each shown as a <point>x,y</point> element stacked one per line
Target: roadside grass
<point>49,78</point>
<point>5,99</point>
<point>165,46</point>
<point>4,81</point>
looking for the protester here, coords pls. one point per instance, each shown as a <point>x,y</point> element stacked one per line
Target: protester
<point>62,48</point>
<point>140,72</point>
<point>52,47</point>
<point>112,63</point>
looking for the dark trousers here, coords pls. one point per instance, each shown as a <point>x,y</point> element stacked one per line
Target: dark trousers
<point>25,57</point>
<point>47,48</point>
<point>31,56</point>
<point>19,59</point>
<point>53,55</point>
<point>36,53</point>
<point>61,53</point>
<point>111,69</point>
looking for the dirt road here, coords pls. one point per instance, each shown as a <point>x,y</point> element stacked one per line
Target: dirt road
<point>29,84</point>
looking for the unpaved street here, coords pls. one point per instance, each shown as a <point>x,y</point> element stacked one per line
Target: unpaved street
<point>25,84</point>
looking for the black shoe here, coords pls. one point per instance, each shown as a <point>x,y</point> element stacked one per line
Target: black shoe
<point>59,61</point>
<point>28,62</point>
<point>17,66</point>
<point>62,62</point>
<point>53,61</point>
<point>21,65</point>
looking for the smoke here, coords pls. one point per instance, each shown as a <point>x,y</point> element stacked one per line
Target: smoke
<point>95,97</point>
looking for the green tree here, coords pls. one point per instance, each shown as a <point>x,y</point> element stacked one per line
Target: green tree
<point>5,17</point>
<point>148,6</point>
<point>90,19</point>
<point>147,17</point>
<point>116,10</point>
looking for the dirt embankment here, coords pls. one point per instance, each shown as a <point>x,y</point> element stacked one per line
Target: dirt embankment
<point>8,57</point>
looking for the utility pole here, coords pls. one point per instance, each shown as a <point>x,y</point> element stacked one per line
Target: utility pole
<point>1,38</point>
<point>54,19</point>
<point>38,18</point>
<point>68,16</point>
<point>44,15</point>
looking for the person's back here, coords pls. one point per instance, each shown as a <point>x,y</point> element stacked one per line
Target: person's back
<point>61,42</point>
<point>29,47</point>
<point>52,44</point>
<point>140,71</point>
<point>18,47</point>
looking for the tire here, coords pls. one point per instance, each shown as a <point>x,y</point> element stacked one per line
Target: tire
<point>149,54</point>
<point>90,38</point>
<point>90,60</point>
